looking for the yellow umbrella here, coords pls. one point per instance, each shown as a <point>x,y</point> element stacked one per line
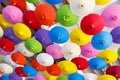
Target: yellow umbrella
<point>49,77</point>
<point>22,31</point>
<point>67,67</point>
<point>79,37</point>
<point>102,2</point>
<point>109,55</point>
<point>3,23</point>
<point>106,77</point>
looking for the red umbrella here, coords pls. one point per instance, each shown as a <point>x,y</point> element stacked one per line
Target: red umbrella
<point>45,14</point>
<point>92,24</point>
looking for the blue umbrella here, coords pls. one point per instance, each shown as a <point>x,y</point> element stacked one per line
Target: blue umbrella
<point>59,34</point>
<point>54,1</point>
<point>97,63</point>
<point>75,76</point>
<point>102,40</point>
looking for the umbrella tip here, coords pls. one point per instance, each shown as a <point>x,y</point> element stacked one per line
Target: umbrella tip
<point>82,5</point>
<point>92,26</point>
<point>114,18</point>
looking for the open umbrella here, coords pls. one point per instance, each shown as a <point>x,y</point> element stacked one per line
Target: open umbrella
<point>81,38</point>
<point>88,50</point>
<point>21,4</point>
<point>66,17</point>
<point>106,77</point>
<point>3,52</point>
<point>19,72</point>
<point>111,16</point>
<point>49,76</point>
<point>14,76</point>
<point>1,32</point>
<point>92,24</point>
<point>30,20</point>
<point>56,34</point>
<point>39,77</point>
<point>54,1</point>
<point>102,2</point>
<point>116,35</point>
<point>109,55</point>
<point>12,14</point>
<point>75,76</point>
<point>82,8</point>
<point>102,40</point>
<point>45,14</point>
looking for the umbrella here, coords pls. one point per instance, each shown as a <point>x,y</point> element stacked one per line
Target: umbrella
<point>5,77</point>
<point>5,68</point>
<point>37,65</point>
<point>38,77</point>
<point>30,71</point>
<point>55,51</point>
<point>82,8</point>
<point>30,21</point>
<point>21,4</point>
<point>43,37</point>
<point>49,77</point>
<point>97,63</point>
<point>19,58</point>
<point>3,23</point>
<point>88,50</point>
<point>102,2</point>
<point>67,67</point>
<point>23,50</point>
<point>12,14</point>
<point>81,38</point>
<point>22,31</point>
<point>114,70</point>
<point>54,70</point>
<point>116,35</point>
<point>10,35</point>
<point>1,1</point>
<point>106,77</point>
<point>33,45</point>
<point>45,59</point>
<point>56,34</point>
<point>102,40</point>
<point>62,78</point>
<point>3,52</point>
<point>75,76</point>
<point>111,16</point>
<point>66,17</point>
<point>92,24</point>
<point>118,51</point>
<point>54,1</point>
<point>14,76</point>
<point>71,50</point>
<point>80,62</point>
<point>109,55</point>
<point>1,32</point>
<point>45,14</point>
<point>90,76</point>
<point>6,44</point>
<point>32,1</point>
<point>19,72</point>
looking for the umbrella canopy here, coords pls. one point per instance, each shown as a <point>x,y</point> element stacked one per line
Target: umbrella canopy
<point>75,76</point>
<point>62,78</point>
<point>56,34</point>
<point>118,51</point>
<point>3,52</point>
<point>92,24</point>
<point>5,77</point>
<point>82,8</point>
<point>54,1</point>
<point>30,20</point>
<point>45,14</point>
<point>116,35</point>
<point>49,76</point>
<point>97,63</point>
<point>66,17</point>
<point>22,31</point>
<point>71,50</point>
<point>109,55</point>
<point>114,70</point>
<point>14,76</point>
<point>102,40</point>
<point>88,50</point>
<point>12,14</point>
<point>10,35</point>
<point>32,1</point>
<point>106,77</point>
<point>102,2</point>
<point>1,32</point>
<point>19,72</point>
<point>21,4</point>
<point>111,16</point>
<point>39,77</point>
<point>81,38</point>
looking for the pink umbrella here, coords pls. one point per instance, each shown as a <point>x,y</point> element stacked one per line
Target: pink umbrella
<point>88,51</point>
<point>111,16</point>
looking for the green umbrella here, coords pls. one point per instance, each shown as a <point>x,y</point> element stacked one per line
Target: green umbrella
<point>62,78</point>
<point>33,45</point>
<point>118,52</point>
<point>66,17</point>
<point>32,1</point>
